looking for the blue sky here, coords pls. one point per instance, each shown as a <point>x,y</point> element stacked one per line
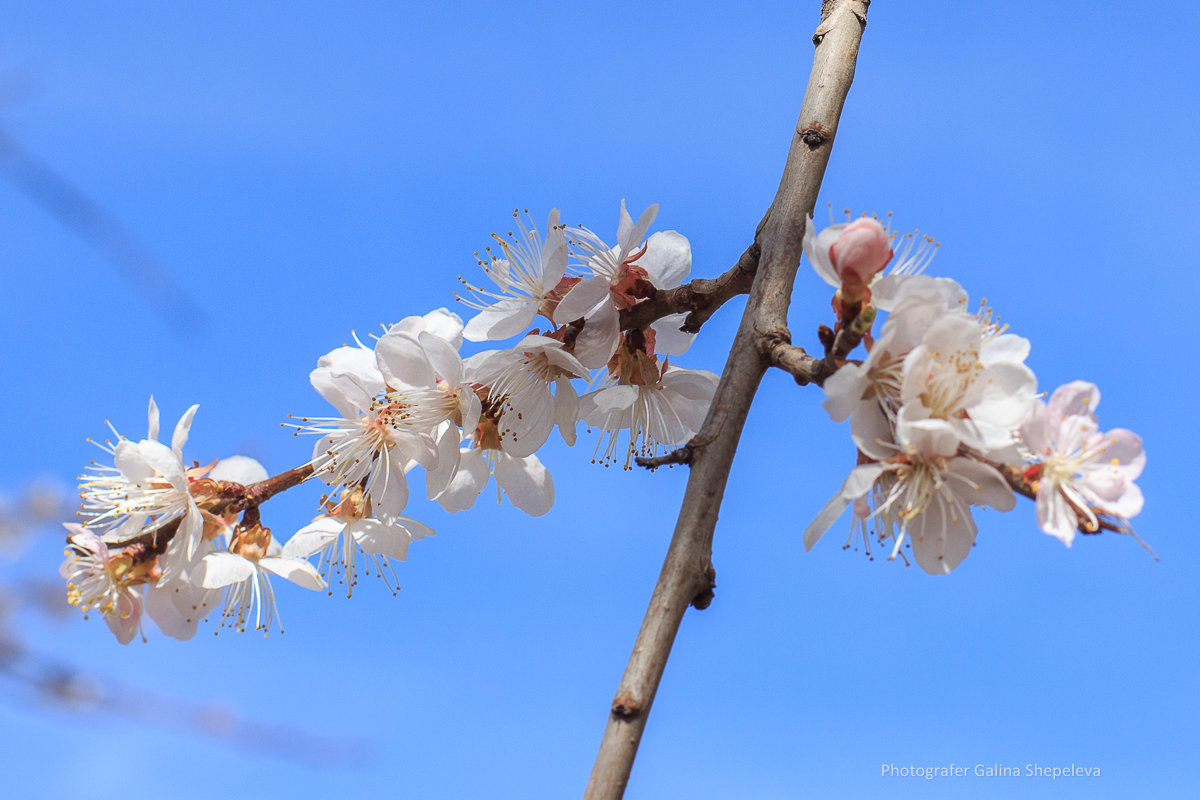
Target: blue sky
<point>303,174</point>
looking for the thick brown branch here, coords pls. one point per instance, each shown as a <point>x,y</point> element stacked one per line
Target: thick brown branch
<point>700,297</point>
<point>687,576</point>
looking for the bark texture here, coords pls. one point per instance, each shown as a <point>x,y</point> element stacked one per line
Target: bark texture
<point>687,576</point>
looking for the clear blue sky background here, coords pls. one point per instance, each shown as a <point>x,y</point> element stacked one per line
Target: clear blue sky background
<point>306,172</point>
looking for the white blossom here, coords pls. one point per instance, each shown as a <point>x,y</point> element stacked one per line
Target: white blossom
<point>1082,471</point>
<point>666,412</point>
<point>244,572</point>
<point>146,489</point>
<point>104,581</point>
<point>620,277</point>
<point>520,381</point>
<point>528,279</point>
<point>338,536</point>
<point>922,494</point>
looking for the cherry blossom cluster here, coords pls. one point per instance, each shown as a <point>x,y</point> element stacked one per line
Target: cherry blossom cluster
<point>164,539</point>
<point>945,414</point>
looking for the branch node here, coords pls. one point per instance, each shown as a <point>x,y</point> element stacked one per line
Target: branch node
<point>683,455</point>
<point>625,707</point>
<point>814,135</point>
<point>704,597</point>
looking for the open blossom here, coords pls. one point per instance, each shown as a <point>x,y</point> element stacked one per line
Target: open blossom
<point>244,572</point>
<point>146,489</point>
<point>530,280</point>
<point>858,246</point>
<point>339,534</point>
<point>521,380</point>
<point>1082,471</point>
<point>665,410</point>
<point>374,441</point>
<point>104,581</point>
<point>870,392</point>
<point>968,372</point>
<point>620,277</point>
<point>922,495</point>
<point>525,481</point>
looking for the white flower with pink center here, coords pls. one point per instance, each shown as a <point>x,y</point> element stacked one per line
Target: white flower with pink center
<point>664,413</point>
<point>103,581</point>
<point>244,571</point>
<point>528,279</point>
<point>1082,471</point>
<point>145,490</point>
<point>968,372</point>
<point>341,533</point>
<point>922,494</point>
<point>620,277</point>
<point>372,443</point>
<point>531,384</point>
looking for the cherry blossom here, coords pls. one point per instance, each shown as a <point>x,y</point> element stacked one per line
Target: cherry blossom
<point>520,380</point>
<point>107,582</point>
<point>620,277</point>
<point>1081,471</point>
<point>244,572</point>
<point>531,279</point>
<point>345,521</point>
<point>968,372</point>
<point>665,410</point>
<point>922,494</point>
<point>145,490</point>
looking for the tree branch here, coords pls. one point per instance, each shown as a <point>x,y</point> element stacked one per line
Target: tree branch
<point>700,297</point>
<point>687,575</point>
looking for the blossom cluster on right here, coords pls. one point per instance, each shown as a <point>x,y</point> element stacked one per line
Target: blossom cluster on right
<point>945,415</point>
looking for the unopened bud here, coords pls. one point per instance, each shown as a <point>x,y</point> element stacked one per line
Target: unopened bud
<point>861,251</point>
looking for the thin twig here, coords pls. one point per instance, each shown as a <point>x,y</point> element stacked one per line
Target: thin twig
<point>687,576</point>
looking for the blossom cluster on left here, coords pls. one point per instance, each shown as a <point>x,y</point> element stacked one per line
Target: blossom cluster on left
<point>160,539</point>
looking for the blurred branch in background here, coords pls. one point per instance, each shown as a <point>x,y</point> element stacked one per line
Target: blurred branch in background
<point>32,518</point>
<point>78,213</point>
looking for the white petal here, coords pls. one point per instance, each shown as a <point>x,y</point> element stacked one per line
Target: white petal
<point>669,340</point>
<point>527,483</point>
<point>941,536</point>
<point>981,485</point>
<point>152,413</point>
<point>630,235</point>
<point>444,357</point>
<point>298,572</point>
<point>1077,398</point>
<point>180,437</point>
<point>313,538</point>
<point>582,299</point>
<point>402,360</point>
<point>501,320</point>
<point>239,469</point>
<point>668,259</point>
<point>222,569</point>
<point>1054,516</point>
<point>598,340</point>
<point>566,410</point>
<point>857,483</point>
<point>468,482</point>
<point>446,325</point>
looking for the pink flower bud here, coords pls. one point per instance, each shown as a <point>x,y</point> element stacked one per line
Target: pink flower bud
<point>862,250</point>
